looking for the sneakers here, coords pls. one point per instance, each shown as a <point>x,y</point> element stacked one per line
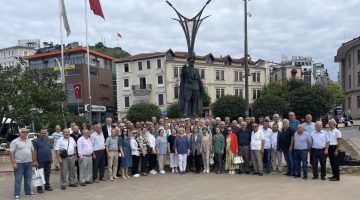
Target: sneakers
<point>162,172</point>
<point>207,171</point>
<point>17,197</point>
<point>115,177</point>
<point>31,194</point>
<point>204,171</point>
<point>173,170</point>
<point>153,172</point>
<point>176,170</point>
<point>111,178</point>
<point>231,172</point>
<point>48,188</point>
<point>136,175</point>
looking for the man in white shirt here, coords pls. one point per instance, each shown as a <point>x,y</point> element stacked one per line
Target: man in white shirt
<point>98,141</point>
<point>319,150</point>
<point>276,153</point>
<point>334,138</point>
<point>257,149</point>
<point>66,153</point>
<point>267,146</point>
<point>56,135</point>
<point>308,125</point>
<point>276,120</point>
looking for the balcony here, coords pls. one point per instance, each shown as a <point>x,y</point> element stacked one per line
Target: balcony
<point>141,90</point>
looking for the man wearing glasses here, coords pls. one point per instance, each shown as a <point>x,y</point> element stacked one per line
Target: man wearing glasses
<point>22,156</point>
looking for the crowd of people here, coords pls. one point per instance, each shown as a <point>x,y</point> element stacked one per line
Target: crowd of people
<point>207,145</point>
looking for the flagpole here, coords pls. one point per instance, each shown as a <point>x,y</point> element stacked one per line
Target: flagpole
<point>88,62</point>
<point>62,70</point>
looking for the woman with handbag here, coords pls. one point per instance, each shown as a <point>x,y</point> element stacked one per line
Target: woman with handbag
<point>206,149</point>
<point>231,151</point>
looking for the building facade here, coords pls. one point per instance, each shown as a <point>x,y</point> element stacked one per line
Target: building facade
<point>9,56</point>
<point>76,80</point>
<point>348,56</point>
<point>155,78</point>
<point>281,74</point>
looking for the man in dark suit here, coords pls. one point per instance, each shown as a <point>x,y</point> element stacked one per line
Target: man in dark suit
<point>106,129</point>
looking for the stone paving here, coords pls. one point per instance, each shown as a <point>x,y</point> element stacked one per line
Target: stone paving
<point>203,186</point>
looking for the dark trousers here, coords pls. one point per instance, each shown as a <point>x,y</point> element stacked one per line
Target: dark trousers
<point>189,163</point>
<point>152,161</point>
<point>77,169</point>
<point>143,160</point>
<point>135,164</point>
<point>218,161</point>
<point>289,158</point>
<point>119,166</point>
<point>300,157</point>
<point>267,153</point>
<point>318,155</point>
<point>99,164</point>
<point>197,159</point>
<point>334,161</point>
<point>46,165</point>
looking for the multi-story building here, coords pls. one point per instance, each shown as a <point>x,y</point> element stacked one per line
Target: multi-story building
<point>348,55</point>
<point>155,77</point>
<point>321,75</point>
<point>9,56</point>
<point>282,73</point>
<point>76,79</point>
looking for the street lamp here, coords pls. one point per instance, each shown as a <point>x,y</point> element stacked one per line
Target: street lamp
<point>246,59</point>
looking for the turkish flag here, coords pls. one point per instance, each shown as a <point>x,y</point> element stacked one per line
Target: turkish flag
<point>95,6</point>
<point>77,90</point>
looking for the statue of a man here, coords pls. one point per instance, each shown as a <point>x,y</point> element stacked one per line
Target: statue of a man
<point>191,89</point>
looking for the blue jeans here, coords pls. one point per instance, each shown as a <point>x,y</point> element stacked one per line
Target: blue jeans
<point>267,153</point>
<point>23,170</point>
<point>289,158</point>
<point>300,156</point>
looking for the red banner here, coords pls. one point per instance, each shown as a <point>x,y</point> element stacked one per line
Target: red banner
<point>77,90</point>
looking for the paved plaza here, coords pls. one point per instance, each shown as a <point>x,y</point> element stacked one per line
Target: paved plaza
<point>202,186</point>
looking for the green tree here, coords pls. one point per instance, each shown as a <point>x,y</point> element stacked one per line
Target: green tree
<point>173,111</point>
<point>315,100</point>
<point>206,100</point>
<point>336,92</point>
<point>275,89</point>
<point>230,106</point>
<point>295,83</point>
<point>28,94</point>
<point>270,104</point>
<point>143,111</point>
<point>116,52</point>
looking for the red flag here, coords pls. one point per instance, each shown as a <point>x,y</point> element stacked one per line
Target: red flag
<point>119,35</point>
<point>95,6</point>
<point>77,90</point>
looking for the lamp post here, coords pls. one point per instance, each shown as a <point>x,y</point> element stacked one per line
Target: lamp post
<point>246,60</point>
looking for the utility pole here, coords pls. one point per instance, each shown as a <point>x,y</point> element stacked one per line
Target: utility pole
<point>246,60</point>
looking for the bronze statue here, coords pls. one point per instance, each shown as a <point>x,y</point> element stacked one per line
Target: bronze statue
<point>191,89</point>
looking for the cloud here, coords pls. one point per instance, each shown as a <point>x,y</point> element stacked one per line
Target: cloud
<point>276,28</point>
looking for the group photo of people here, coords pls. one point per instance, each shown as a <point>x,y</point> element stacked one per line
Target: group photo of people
<point>93,153</point>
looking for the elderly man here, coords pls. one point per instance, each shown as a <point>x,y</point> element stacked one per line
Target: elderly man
<point>276,120</point>
<point>106,129</point>
<point>286,143</point>
<point>276,153</point>
<point>319,150</point>
<point>76,135</point>
<point>66,153</point>
<point>112,150</point>
<point>267,146</point>
<point>234,126</point>
<point>244,138</point>
<point>257,149</point>
<point>293,122</point>
<point>86,153</point>
<point>240,119</point>
<point>249,123</point>
<point>22,158</point>
<point>302,144</point>
<point>308,125</point>
<point>43,152</point>
<point>57,135</point>
<point>334,138</point>
<point>98,141</point>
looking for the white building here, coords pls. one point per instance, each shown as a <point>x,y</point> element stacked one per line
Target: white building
<point>9,56</point>
<point>155,78</point>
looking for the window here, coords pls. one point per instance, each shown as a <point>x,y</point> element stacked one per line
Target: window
<point>253,77</point>
<point>358,57</point>
<point>140,66</point>
<point>349,81</point>
<point>142,83</point>
<point>126,83</point>
<point>160,80</point>
<point>220,92</point>
<point>159,63</point>
<point>176,92</point>
<point>104,86</point>
<point>238,92</point>
<point>161,99</point>
<point>202,73</point>
<point>349,61</point>
<point>241,76</point>
<point>349,102</point>
<point>148,64</point>
<point>256,94</point>
<point>94,71</point>
<point>276,77</point>
<point>126,67</point>
<point>358,78</point>
<point>258,77</point>
<point>358,101</point>
<point>219,75</point>
<point>238,76</point>
<point>176,72</point>
<point>127,101</point>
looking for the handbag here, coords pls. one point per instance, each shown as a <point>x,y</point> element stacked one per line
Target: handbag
<point>64,152</point>
<point>211,160</point>
<point>238,160</point>
<point>38,177</point>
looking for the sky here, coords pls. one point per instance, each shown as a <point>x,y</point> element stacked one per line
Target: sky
<point>276,28</point>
